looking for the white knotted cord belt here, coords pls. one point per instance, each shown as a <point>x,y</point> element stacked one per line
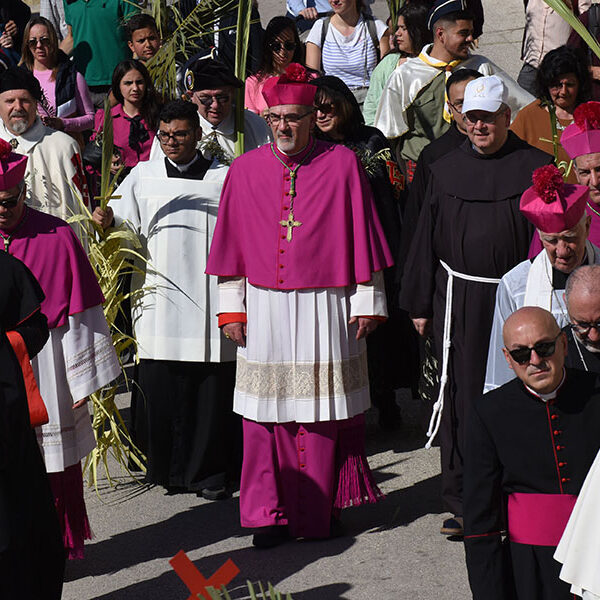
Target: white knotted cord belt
<point>438,407</point>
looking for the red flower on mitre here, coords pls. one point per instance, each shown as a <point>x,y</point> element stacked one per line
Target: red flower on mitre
<point>296,72</point>
<point>547,181</point>
<point>587,115</point>
<point>5,149</point>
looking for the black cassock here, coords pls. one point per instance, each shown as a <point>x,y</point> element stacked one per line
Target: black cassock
<point>470,220</point>
<point>517,443</point>
<point>182,412</point>
<point>31,549</point>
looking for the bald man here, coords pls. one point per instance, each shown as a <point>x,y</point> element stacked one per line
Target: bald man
<point>582,299</point>
<point>530,444</point>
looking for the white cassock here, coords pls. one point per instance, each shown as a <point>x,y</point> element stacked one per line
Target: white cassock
<point>54,168</point>
<point>527,284</point>
<point>256,134</point>
<point>579,547</point>
<point>76,361</point>
<point>296,339</point>
<point>408,79</point>
<point>175,319</point>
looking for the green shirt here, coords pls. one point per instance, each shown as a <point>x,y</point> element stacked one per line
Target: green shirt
<point>99,40</point>
<point>377,82</point>
<point>425,119</point>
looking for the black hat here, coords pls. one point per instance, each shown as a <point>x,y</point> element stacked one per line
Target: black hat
<point>444,7</point>
<point>17,78</point>
<point>209,73</point>
<point>329,82</point>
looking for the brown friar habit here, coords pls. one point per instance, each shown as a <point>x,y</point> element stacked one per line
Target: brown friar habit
<point>471,221</point>
<point>519,444</point>
<point>31,550</point>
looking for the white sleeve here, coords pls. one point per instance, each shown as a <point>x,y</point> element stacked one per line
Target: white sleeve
<point>498,372</point>
<point>232,294</point>
<point>368,299</point>
<point>126,208</point>
<point>315,33</point>
<point>380,27</point>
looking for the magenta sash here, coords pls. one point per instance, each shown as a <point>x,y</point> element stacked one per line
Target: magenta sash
<point>538,519</point>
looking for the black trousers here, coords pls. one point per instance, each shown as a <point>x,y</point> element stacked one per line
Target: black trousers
<point>194,439</point>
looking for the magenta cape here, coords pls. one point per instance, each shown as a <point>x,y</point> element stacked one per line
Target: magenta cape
<point>48,246</point>
<point>594,237</point>
<point>340,241</point>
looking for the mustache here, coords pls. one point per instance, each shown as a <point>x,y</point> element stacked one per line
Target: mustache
<point>18,113</point>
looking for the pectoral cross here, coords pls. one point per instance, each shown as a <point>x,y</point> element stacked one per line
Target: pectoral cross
<point>290,224</point>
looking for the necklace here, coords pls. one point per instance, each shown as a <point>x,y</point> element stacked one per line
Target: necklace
<point>593,209</point>
<point>8,239</point>
<point>290,222</point>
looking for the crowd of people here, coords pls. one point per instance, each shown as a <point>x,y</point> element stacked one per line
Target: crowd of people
<point>403,214</point>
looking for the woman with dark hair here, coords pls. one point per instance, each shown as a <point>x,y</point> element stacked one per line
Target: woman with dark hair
<point>339,120</point>
<point>281,46</point>
<point>410,36</point>
<point>135,116</point>
<point>563,83</point>
<point>66,103</point>
<point>348,44</point>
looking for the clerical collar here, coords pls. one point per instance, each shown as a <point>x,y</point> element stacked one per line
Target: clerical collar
<point>297,156</point>
<point>550,395</point>
<point>182,168</point>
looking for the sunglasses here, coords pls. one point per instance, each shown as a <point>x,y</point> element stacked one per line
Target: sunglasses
<point>488,118</point>
<point>326,108</point>
<point>287,46</point>
<point>11,202</point>
<point>208,100</point>
<point>33,42</point>
<point>542,349</point>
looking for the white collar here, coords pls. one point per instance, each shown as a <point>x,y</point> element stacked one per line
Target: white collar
<point>550,395</point>
<point>226,127</point>
<point>182,168</point>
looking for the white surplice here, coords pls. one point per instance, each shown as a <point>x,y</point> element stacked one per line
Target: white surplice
<point>302,361</point>
<point>77,360</point>
<point>527,284</point>
<point>579,547</point>
<point>54,168</point>
<point>175,218</point>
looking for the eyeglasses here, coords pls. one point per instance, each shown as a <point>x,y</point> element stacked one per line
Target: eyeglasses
<point>208,100</point>
<point>457,106</point>
<point>33,42</point>
<point>327,108</point>
<point>542,349</point>
<point>584,328</point>
<point>483,116</point>
<point>12,201</point>
<point>178,136</point>
<point>287,46</point>
<point>291,119</point>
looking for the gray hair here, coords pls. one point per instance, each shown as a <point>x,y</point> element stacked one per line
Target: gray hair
<point>585,278</point>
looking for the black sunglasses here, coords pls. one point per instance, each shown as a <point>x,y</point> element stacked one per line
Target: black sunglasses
<point>11,202</point>
<point>542,349</point>
<point>288,46</point>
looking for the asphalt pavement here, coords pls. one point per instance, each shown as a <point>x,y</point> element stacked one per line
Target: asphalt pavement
<point>392,550</point>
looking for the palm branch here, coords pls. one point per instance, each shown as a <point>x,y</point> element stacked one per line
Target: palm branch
<point>394,6</point>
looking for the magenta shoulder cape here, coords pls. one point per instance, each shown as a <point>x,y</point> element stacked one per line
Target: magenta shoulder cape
<point>48,246</point>
<point>340,240</point>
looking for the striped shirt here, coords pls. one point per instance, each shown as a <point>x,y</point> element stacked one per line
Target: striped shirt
<point>351,58</point>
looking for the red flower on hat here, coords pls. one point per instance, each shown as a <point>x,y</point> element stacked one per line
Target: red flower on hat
<point>5,149</point>
<point>296,72</point>
<point>547,181</point>
<point>587,115</point>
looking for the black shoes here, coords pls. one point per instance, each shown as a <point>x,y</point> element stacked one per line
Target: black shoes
<point>269,537</point>
<point>214,493</point>
<point>453,526</point>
